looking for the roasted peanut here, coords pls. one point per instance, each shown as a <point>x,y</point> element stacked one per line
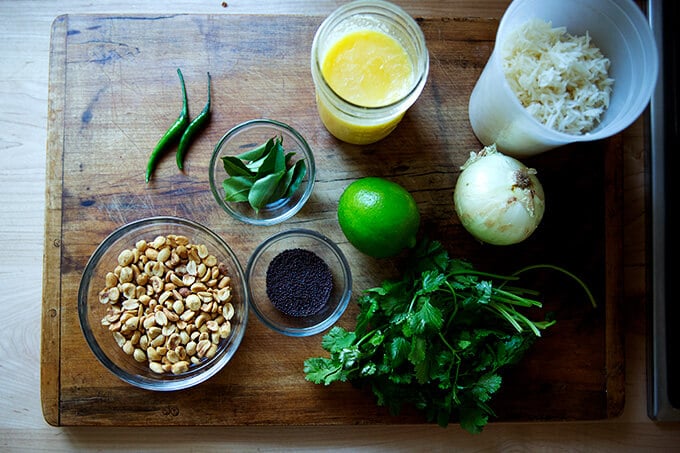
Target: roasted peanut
<point>168,303</point>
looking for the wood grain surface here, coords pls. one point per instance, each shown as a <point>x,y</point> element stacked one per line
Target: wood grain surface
<point>24,77</point>
<point>113,92</point>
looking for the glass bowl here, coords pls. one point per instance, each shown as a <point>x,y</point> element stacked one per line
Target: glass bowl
<point>292,322</point>
<point>247,136</point>
<point>107,315</point>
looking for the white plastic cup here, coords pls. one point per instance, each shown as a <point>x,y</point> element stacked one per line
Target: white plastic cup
<point>621,32</point>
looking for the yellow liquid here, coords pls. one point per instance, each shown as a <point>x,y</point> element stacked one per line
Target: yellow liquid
<point>370,69</point>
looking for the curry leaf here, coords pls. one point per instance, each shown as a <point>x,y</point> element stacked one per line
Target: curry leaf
<point>257,152</point>
<point>299,171</point>
<point>235,167</point>
<point>262,175</point>
<point>262,190</point>
<point>237,188</point>
<point>273,161</point>
<point>284,183</point>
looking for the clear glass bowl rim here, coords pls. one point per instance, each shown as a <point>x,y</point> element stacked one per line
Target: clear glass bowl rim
<point>311,171</point>
<point>215,365</point>
<point>347,282</point>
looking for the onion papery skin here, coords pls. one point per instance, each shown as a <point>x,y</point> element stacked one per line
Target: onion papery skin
<point>491,205</point>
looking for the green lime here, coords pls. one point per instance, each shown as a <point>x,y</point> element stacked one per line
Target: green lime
<point>378,217</point>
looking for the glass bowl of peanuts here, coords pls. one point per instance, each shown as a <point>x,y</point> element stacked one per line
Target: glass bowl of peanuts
<point>163,303</point>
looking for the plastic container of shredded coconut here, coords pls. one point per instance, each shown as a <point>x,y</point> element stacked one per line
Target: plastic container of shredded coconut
<point>527,104</point>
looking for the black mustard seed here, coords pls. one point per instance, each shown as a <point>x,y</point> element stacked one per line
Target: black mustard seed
<point>299,282</point>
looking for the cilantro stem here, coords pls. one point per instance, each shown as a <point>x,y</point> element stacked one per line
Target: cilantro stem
<point>517,290</point>
<point>526,321</point>
<point>544,324</point>
<point>365,337</point>
<point>483,274</point>
<point>454,387</point>
<point>454,295</point>
<point>514,299</point>
<point>446,343</point>
<point>504,313</point>
<point>413,301</point>
<point>564,271</point>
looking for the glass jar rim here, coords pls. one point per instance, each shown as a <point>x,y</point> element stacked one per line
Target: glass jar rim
<point>414,34</point>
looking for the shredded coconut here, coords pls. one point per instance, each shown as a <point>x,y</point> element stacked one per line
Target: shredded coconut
<point>562,80</point>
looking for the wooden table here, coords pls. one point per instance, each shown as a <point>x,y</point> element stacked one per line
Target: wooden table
<point>23,86</point>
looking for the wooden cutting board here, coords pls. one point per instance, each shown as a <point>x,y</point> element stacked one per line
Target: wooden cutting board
<point>113,91</point>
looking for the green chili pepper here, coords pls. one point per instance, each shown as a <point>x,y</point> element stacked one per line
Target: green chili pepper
<point>172,135</point>
<point>196,125</point>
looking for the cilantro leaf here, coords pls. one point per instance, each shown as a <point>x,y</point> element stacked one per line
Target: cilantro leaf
<point>337,339</point>
<point>321,370</point>
<point>473,419</point>
<point>438,339</point>
<point>431,281</point>
<point>486,386</point>
<point>398,351</point>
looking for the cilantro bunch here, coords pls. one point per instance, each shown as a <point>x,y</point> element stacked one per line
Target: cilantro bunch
<point>437,339</point>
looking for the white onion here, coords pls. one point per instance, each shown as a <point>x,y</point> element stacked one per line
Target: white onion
<point>497,198</point>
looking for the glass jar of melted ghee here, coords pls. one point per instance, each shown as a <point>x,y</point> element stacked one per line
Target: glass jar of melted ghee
<point>369,65</point>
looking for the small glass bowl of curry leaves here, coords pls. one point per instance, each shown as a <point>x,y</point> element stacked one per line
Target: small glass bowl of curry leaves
<point>262,172</point>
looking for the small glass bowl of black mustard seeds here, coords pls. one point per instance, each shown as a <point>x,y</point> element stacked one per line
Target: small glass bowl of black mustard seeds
<point>299,282</point>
